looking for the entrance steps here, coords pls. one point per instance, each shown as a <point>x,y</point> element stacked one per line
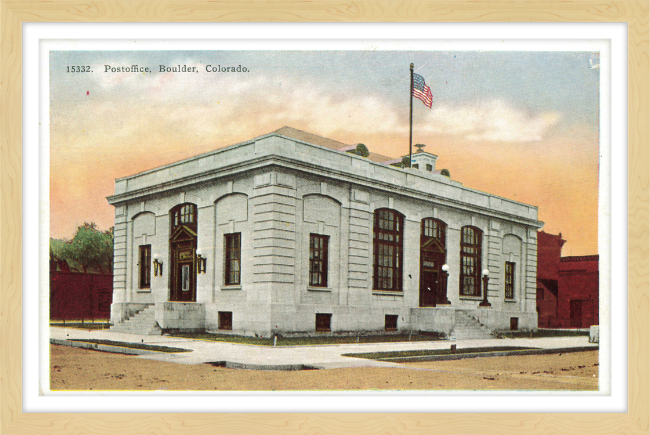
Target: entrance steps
<point>142,322</point>
<point>467,327</point>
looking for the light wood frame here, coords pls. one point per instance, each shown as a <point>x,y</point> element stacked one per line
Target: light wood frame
<point>14,13</point>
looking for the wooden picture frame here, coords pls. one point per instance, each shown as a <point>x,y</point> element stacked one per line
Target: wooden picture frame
<point>14,13</point>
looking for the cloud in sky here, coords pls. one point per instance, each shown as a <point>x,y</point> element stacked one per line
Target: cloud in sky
<point>492,121</point>
<point>203,103</point>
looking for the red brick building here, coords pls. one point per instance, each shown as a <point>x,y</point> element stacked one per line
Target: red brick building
<point>567,287</point>
<point>76,296</point>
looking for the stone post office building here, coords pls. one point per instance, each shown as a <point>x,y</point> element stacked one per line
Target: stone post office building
<point>289,233</point>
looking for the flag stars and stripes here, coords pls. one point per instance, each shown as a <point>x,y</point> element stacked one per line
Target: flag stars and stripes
<point>422,91</point>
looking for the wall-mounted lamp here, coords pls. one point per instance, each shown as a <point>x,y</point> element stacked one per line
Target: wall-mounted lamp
<point>484,302</point>
<point>157,265</point>
<point>201,261</point>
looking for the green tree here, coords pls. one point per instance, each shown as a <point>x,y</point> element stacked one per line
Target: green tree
<point>406,162</point>
<point>445,172</point>
<point>90,250</point>
<point>360,150</point>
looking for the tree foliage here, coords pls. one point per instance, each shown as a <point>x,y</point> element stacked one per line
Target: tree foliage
<point>445,172</point>
<point>406,162</point>
<point>360,150</point>
<point>90,250</point>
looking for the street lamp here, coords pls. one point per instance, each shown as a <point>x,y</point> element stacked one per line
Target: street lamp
<point>484,302</point>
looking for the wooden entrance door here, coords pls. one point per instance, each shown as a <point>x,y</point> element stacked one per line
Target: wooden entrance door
<point>432,257</point>
<point>429,284</point>
<point>182,247</point>
<point>183,280</point>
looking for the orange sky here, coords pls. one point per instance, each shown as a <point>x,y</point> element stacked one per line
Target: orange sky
<point>105,126</point>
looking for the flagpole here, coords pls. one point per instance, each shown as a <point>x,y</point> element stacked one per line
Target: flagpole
<point>411,122</point>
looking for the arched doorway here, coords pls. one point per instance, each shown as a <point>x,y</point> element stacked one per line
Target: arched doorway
<point>182,249</point>
<point>433,255</point>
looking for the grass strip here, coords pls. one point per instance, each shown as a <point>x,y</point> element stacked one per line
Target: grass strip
<point>140,346</point>
<point>79,325</point>
<point>436,352</point>
<point>306,341</point>
<point>541,333</point>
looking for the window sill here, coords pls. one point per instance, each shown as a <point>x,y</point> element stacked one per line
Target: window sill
<point>319,289</point>
<point>143,290</point>
<point>387,293</point>
<point>510,300</point>
<point>231,287</point>
<point>470,298</point>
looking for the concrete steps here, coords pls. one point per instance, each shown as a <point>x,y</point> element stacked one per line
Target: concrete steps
<point>468,328</point>
<point>143,322</point>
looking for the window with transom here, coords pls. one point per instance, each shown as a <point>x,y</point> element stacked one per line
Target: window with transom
<point>470,261</point>
<point>510,280</point>
<point>318,260</point>
<point>233,258</point>
<point>387,250</point>
<point>145,266</point>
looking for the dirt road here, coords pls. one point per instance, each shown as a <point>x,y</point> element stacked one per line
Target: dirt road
<point>80,369</point>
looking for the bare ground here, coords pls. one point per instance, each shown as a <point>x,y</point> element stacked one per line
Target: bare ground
<point>82,369</point>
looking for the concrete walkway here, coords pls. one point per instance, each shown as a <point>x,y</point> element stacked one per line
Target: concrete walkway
<point>322,356</point>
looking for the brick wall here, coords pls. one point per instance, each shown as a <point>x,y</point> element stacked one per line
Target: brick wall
<point>80,296</point>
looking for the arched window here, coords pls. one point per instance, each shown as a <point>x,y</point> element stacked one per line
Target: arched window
<point>471,240</point>
<point>184,214</point>
<point>434,229</point>
<point>388,244</point>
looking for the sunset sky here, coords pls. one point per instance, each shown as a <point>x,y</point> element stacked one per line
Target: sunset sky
<point>521,125</point>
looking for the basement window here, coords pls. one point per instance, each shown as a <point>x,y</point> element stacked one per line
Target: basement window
<point>225,320</point>
<point>390,323</point>
<point>323,322</point>
<point>514,323</point>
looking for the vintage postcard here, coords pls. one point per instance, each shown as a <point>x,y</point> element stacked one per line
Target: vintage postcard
<point>353,217</point>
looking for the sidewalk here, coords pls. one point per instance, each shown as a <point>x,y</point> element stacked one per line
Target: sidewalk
<point>326,356</point>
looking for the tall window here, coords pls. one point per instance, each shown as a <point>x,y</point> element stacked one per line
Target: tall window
<point>510,280</point>
<point>387,250</point>
<point>233,258</point>
<point>318,260</point>
<point>470,261</point>
<point>145,266</point>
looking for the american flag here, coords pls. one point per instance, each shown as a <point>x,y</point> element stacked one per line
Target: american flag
<point>421,90</point>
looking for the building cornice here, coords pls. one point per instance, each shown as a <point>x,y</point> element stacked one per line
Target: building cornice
<point>274,150</point>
